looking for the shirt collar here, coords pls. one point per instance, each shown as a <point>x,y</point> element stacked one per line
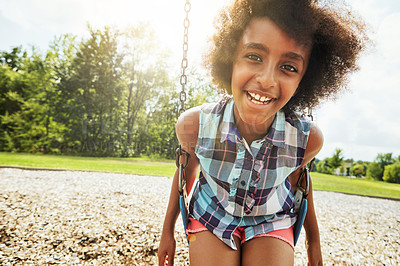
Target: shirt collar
<point>229,131</point>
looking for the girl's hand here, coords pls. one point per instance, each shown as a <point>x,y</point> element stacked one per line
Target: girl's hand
<point>166,250</point>
<point>314,253</point>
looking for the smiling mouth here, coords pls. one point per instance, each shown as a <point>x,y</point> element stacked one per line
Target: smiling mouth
<point>258,99</point>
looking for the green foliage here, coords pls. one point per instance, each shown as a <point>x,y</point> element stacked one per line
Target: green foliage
<point>384,159</point>
<point>107,95</point>
<point>358,170</point>
<point>336,160</point>
<point>97,93</point>
<point>27,121</point>
<point>375,171</point>
<point>14,59</point>
<point>199,89</point>
<point>324,167</point>
<point>342,170</point>
<point>392,173</point>
<point>329,165</point>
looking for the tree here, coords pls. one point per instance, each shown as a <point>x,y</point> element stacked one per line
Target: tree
<point>95,87</point>
<point>61,55</point>
<point>11,65</point>
<point>392,173</point>
<point>384,159</point>
<point>145,71</point>
<point>27,121</point>
<point>329,165</point>
<point>199,89</point>
<point>336,160</point>
<point>358,170</point>
<point>109,94</point>
<point>156,134</point>
<point>324,167</point>
<point>375,171</point>
<point>14,59</point>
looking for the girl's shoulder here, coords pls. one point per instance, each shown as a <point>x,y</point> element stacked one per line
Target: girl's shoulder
<point>315,138</point>
<point>315,142</point>
<point>189,123</point>
<point>187,128</point>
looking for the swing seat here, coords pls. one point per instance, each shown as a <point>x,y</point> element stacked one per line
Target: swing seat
<point>300,203</point>
<point>300,220</point>
<point>182,186</point>
<point>184,213</point>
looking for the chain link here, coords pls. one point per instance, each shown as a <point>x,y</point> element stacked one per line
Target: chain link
<point>309,114</point>
<point>184,64</point>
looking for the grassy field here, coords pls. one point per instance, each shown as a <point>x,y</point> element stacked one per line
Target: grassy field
<point>147,166</point>
<point>355,186</point>
<point>140,166</point>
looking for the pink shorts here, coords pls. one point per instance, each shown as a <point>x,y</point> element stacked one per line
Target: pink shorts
<point>285,235</point>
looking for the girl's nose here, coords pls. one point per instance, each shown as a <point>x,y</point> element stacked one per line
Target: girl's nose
<point>267,77</point>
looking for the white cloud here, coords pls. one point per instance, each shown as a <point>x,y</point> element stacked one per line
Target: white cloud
<point>389,38</point>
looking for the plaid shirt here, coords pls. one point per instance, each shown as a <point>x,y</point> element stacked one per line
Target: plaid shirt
<point>242,185</point>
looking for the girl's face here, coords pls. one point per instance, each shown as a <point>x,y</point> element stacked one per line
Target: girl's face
<point>267,70</point>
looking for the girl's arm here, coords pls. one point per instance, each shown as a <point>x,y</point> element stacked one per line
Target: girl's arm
<point>313,245</point>
<point>187,128</point>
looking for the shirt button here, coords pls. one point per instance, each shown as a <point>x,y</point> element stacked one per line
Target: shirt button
<point>243,183</point>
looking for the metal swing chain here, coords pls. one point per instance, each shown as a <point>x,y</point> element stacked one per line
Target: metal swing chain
<point>184,64</point>
<point>310,115</point>
<point>305,174</point>
<point>182,97</point>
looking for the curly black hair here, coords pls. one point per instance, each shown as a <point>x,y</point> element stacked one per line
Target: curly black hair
<point>337,35</point>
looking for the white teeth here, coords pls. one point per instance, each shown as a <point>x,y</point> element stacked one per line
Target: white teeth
<point>256,102</point>
<point>257,98</point>
<point>252,94</point>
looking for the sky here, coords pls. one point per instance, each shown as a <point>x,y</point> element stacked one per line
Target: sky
<point>362,122</point>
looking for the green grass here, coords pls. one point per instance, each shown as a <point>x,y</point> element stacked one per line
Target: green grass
<point>140,166</point>
<point>148,166</point>
<point>355,186</point>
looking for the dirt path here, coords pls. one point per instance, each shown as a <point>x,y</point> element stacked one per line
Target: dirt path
<point>87,218</point>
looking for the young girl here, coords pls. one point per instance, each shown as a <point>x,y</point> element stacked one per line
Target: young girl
<point>274,58</point>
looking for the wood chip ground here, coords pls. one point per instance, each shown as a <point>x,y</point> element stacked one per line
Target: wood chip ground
<point>91,218</point>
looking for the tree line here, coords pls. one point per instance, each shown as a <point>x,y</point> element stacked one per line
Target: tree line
<point>385,167</point>
<point>111,94</point>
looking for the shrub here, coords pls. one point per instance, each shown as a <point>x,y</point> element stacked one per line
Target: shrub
<point>392,173</point>
<point>358,170</point>
<point>375,171</point>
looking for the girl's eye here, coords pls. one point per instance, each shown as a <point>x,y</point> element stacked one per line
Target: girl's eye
<point>289,68</point>
<point>254,57</point>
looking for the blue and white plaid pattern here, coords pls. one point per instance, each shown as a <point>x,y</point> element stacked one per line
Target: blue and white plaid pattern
<point>242,185</point>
